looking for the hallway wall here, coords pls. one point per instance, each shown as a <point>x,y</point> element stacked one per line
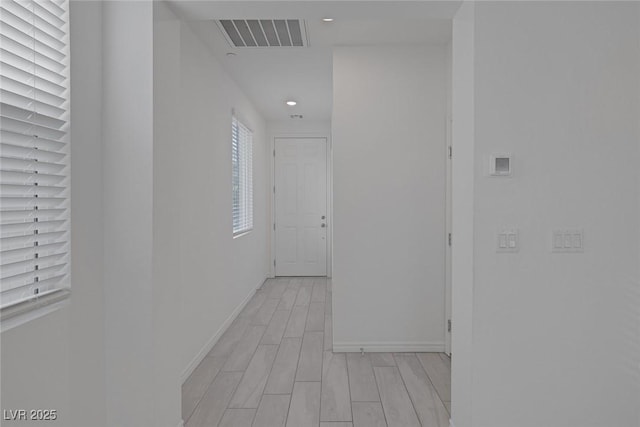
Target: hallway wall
<point>218,272</point>
<point>462,207</point>
<point>555,335</point>
<point>389,198</point>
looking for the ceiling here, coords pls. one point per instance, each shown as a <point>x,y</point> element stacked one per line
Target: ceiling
<point>270,76</point>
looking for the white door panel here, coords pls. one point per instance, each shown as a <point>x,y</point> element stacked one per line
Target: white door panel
<point>301,206</point>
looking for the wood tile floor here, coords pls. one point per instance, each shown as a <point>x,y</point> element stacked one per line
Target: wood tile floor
<point>274,367</point>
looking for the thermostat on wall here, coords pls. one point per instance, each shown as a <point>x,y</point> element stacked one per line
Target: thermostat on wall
<point>501,165</point>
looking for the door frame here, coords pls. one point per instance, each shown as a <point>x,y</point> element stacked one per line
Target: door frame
<point>448,240</point>
<point>272,181</point>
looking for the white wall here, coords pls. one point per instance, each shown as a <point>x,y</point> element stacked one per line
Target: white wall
<point>462,213</point>
<point>166,294</point>
<point>389,198</point>
<point>296,127</point>
<point>87,351</point>
<point>27,382</point>
<point>141,81</point>
<point>57,361</point>
<point>128,211</point>
<point>218,271</point>
<point>555,338</point>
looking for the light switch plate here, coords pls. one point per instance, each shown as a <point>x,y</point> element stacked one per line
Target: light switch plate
<point>567,240</point>
<point>508,240</point>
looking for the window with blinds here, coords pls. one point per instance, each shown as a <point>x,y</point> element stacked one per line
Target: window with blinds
<point>34,150</point>
<point>242,177</point>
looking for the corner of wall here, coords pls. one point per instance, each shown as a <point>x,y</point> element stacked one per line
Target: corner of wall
<point>206,348</point>
<point>463,132</point>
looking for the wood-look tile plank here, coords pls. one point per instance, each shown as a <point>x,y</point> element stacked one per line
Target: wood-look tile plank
<point>198,382</point>
<point>294,283</point>
<point>307,281</point>
<point>276,327</point>
<point>254,304</point>
<point>361,378</point>
<point>335,402</point>
<point>237,418</point>
<point>284,368</point>
<point>278,288</point>
<point>252,385</point>
<point>446,359</point>
<point>304,295</point>
<point>263,315</point>
<point>319,291</point>
<point>426,401</point>
<point>211,408</point>
<point>335,424</point>
<point>315,318</point>
<point>368,414</point>
<point>288,299</point>
<point>272,411</point>
<point>396,403</point>
<point>304,410</point>
<point>328,333</point>
<point>297,321</point>
<point>382,359</point>
<point>439,374</point>
<point>266,285</point>
<point>225,345</point>
<point>244,349</point>
<point>310,363</point>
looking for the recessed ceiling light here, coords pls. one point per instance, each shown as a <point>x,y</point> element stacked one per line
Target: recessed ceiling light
<point>291,103</point>
<point>327,19</point>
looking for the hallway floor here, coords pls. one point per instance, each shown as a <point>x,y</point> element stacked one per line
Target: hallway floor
<point>274,367</point>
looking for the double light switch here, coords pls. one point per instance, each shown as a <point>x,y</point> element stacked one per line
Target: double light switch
<point>508,240</point>
<point>568,241</point>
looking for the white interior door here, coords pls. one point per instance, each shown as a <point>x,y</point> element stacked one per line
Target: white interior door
<point>301,206</point>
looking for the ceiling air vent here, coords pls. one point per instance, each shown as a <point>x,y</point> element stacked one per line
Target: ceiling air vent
<point>264,32</point>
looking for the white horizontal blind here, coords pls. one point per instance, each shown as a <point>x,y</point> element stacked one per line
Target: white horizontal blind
<point>242,177</point>
<point>34,151</point>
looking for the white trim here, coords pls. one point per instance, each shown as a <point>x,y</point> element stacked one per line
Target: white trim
<point>451,423</point>
<point>181,423</point>
<point>448,203</point>
<point>36,310</point>
<point>214,339</point>
<point>389,347</point>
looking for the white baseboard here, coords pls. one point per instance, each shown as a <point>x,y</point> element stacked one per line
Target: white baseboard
<point>388,347</point>
<point>214,339</point>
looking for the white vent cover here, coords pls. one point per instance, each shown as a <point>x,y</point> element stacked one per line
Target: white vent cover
<point>264,32</point>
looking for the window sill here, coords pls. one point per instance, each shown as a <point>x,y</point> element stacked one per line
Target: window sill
<point>27,311</point>
<point>242,233</point>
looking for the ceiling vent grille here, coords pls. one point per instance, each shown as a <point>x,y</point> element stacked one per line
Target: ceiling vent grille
<point>264,32</point>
